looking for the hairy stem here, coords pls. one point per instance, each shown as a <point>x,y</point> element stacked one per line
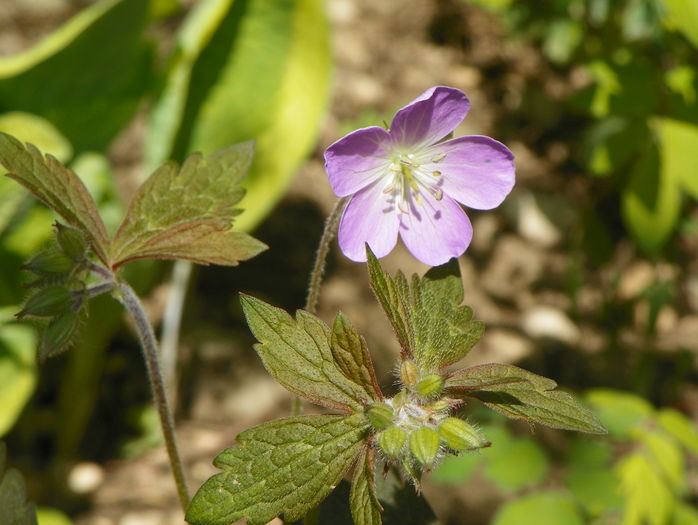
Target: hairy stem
<point>321,255</point>
<point>318,272</point>
<point>150,352</point>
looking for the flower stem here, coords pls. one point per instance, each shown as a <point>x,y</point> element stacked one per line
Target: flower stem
<point>321,255</point>
<point>318,272</point>
<point>150,352</point>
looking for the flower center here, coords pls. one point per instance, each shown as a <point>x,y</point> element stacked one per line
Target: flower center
<point>408,178</point>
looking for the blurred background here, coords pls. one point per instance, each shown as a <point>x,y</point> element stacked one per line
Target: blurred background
<point>588,273</point>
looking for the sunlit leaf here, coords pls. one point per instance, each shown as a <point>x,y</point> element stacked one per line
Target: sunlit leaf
<point>651,200</point>
<point>515,464</point>
<point>547,508</point>
<point>596,489</point>
<point>245,70</point>
<point>520,394</point>
<point>17,368</point>
<point>426,314</point>
<point>679,142</point>
<point>680,427</point>
<point>57,187</point>
<point>683,14</point>
<point>667,457</point>
<point>648,499</point>
<point>286,466</point>
<point>620,412</point>
<point>87,77</point>
<point>297,353</point>
<point>187,212</point>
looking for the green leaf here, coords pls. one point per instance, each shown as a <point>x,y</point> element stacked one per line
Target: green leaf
<point>49,516</point>
<point>651,200</point>
<point>648,499</point>
<point>365,508</point>
<point>620,412</point>
<point>187,212</point>
<point>685,515</point>
<point>454,470</point>
<point>516,464</point>
<point>17,369</point>
<point>549,508</point>
<point>683,14</point>
<point>595,489</point>
<point>243,70</point>
<point>679,142</point>
<point>57,187</point>
<point>426,314</point>
<point>297,353</point>
<point>286,466</point>
<point>86,78</point>
<point>667,457</point>
<point>680,427</point>
<point>13,495</point>
<point>520,394</point>
<point>351,356</point>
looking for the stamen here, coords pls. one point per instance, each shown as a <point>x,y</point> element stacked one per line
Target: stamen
<point>400,205</point>
<point>389,188</point>
<point>438,158</point>
<point>436,173</point>
<point>436,192</point>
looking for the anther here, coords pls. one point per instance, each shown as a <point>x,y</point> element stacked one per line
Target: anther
<point>438,158</point>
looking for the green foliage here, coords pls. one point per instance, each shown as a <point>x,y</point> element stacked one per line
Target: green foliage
<point>297,353</point>
<point>288,466</point>
<point>86,78</point>
<point>245,70</point>
<point>549,508</point>
<point>363,500</point>
<point>620,412</point>
<point>17,368</point>
<point>426,315</point>
<point>683,15</point>
<point>187,213</point>
<point>15,509</point>
<point>516,464</point>
<point>57,187</point>
<point>519,394</point>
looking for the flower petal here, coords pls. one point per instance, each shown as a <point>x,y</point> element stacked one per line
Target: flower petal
<point>356,160</point>
<point>477,171</point>
<point>368,218</point>
<point>435,231</point>
<point>430,117</point>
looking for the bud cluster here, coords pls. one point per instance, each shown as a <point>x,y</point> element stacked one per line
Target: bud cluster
<point>60,272</point>
<point>415,427</point>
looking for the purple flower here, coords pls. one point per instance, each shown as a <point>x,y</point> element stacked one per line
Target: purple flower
<point>404,181</point>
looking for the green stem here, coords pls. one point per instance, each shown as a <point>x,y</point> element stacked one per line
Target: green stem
<point>318,272</point>
<point>150,352</point>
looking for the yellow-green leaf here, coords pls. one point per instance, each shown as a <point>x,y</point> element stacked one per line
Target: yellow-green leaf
<point>363,500</point>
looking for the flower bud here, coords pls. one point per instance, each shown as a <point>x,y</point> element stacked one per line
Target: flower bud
<point>49,262</point>
<point>442,405</point>
<point>47,302</point>
<point>460,435</point>
<point>380,415</point>
<point>424,445</point>
<point>408,373</point>
<point>71,241</point>
<point>430,386</point>
<point>59,334</point>
<point>391,441</point>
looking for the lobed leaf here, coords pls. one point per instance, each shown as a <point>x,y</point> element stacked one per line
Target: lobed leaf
<point>13,495</point>
<point>520,394</point>
<point>363,499</point>
<point>58,187</point>
<point>426,314</point>
<point>285,466</point>
<point>351,356</point>
<point>297,353</point>
<point>187,213</point>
